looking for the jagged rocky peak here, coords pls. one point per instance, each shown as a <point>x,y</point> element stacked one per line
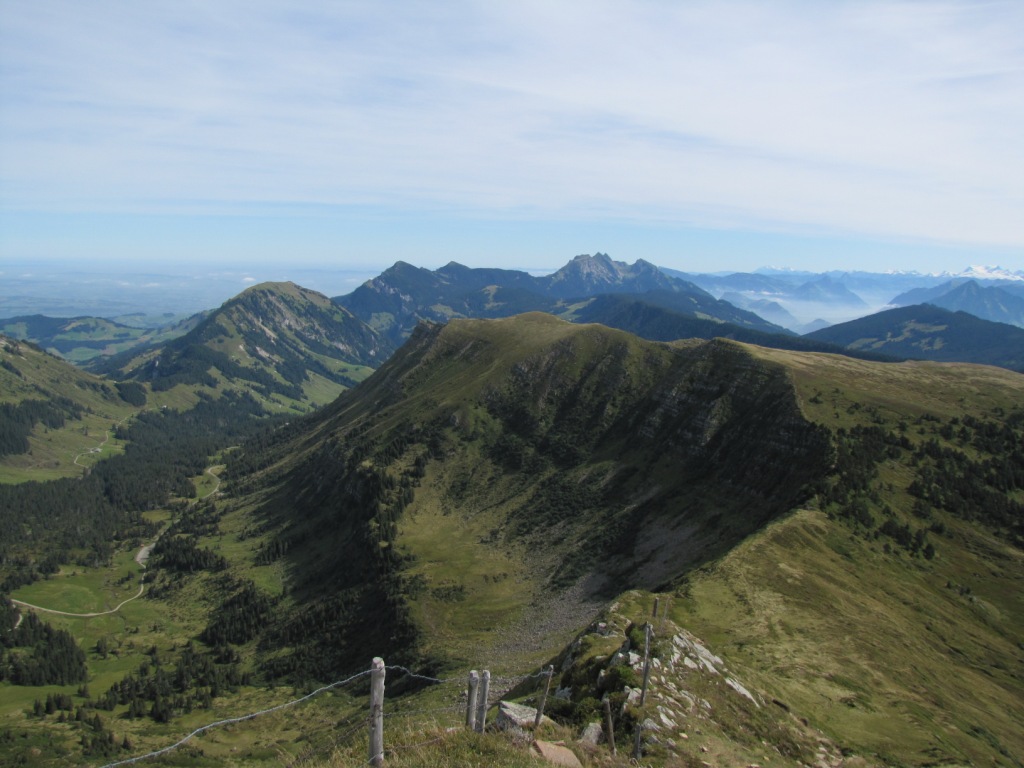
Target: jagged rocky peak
<point>586,275</point>
<point>601,266</point>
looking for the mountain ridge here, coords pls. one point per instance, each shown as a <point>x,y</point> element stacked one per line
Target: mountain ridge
<point>928,332</point>
<point>994,303</point>
<point>553,399</point>
<point>401,296</point>
<point>286,343</point>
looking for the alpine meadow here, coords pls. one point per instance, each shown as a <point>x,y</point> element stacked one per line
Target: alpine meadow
<point>689,535</point>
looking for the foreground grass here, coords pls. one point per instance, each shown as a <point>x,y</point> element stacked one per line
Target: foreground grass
<point>441,749</point>
<point>878,652</point>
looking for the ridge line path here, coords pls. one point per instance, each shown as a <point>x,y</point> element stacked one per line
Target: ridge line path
<point>141,557</point>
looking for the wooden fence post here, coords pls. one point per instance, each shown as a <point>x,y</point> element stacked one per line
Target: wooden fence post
<point>481,704</point>
<point>609,728</point>
<point>544,698</point>
<point>638,745</point>
<point>647,662</point>
<point>474,682</point>
<point>377,672</point>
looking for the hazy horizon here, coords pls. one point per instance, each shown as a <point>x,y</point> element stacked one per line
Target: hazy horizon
<point>67,289</point>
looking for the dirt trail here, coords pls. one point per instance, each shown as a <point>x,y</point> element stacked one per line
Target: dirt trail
<point>137,595</point>
<point>99,448</point>
<point>141,558</point>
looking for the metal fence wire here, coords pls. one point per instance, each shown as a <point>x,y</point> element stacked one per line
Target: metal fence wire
<point>449,714</point>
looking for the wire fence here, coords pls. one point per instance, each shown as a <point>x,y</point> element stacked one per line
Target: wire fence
<point>447,711</point>
<point>239,719</point>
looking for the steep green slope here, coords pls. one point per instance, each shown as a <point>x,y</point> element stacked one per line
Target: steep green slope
<point>55,420</point>
<point>886,614</point>
<point>288,345</point>
<point>556,458</point>
<point>890,612</point>
<point>496,482</point>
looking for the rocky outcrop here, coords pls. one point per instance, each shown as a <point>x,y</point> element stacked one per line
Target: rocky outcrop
<point>694,705</point>
<point>512,716</point>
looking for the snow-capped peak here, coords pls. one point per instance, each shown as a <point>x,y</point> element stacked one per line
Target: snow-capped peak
<point>980,272</point>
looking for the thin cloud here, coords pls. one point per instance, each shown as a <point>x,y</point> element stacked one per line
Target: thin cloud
<point>885,118</point>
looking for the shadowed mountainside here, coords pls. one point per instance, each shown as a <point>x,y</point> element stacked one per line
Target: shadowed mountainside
<point>926,332</point>
<point>581,456</point>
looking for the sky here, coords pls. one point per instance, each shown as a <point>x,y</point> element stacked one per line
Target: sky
<point>701,135</point>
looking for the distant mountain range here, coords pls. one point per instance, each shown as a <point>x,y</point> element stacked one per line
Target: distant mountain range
<point>979,272</point>
<point>403,295</point>
<point>1001,303</point>
<point>797,299</point>
<point>928,332</point>
<point>822,288</point>
<point>767,307</point>
<point>808,297</point>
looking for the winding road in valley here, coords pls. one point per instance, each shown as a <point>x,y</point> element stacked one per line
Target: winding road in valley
<point>99,448</point>
<point>141,557</point>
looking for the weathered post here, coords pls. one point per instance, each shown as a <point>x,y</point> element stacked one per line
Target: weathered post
<point>544,697</point>
<point>608,727</point>
<point>647,662</point>
<point>657,602</point>
<point>474,683</point>
<point>481,703</point>
<point>638,745</point>
<point>377,672</point>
